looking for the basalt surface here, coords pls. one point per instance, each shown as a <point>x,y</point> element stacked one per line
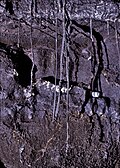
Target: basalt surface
<point>85,131</point>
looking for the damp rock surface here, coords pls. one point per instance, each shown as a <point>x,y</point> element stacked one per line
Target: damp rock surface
<point>85,134</point>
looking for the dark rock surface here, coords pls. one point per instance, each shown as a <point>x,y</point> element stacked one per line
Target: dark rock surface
<point>85,131</point>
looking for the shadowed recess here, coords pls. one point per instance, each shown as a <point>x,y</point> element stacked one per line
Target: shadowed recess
<point>22,64</point>
<point>2,165</point>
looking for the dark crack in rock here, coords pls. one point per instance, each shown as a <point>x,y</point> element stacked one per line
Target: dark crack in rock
<point>22,64</point>
<point>2,165</point>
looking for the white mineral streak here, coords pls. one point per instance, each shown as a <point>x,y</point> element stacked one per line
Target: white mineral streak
<point>27,93</point>
<point>84,51</point>
<point>48,85</point>
<point>58,1</point>
<point>64,90</point>
<point>100,113</point>
<point>21,149</point>
<point>44,83</point>
<point>11,73</point>
<point>57,89</point>
<point>53,86</point>
<point>89,58</point>
<point>15,72</point>
<point>108,27</point>
<point>61,57</point>
<point>95,94</point>
<point>30,116</point>
<point>18,34</point>
<point>67,137</point>
<point>91,34</point>
<point>56,58</point>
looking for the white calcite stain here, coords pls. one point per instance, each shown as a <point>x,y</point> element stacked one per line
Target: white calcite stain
<point>95,94</point>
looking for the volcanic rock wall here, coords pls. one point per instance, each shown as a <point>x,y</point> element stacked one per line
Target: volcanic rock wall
<point>82,129</point>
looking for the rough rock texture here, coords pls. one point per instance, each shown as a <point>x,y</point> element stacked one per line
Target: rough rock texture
<point>85,132</point>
